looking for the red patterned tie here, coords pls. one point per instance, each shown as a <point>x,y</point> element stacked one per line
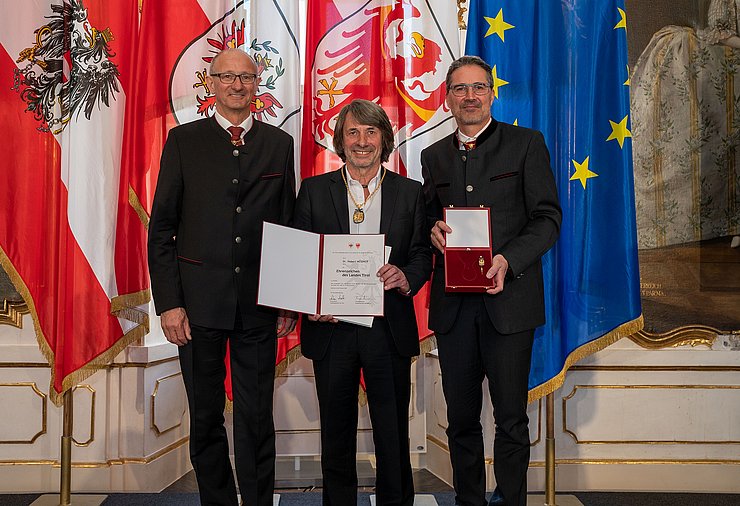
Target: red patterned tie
<point>236,135</point>
<point>469,145</point>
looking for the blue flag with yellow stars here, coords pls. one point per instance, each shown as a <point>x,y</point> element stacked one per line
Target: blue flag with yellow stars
<point>561,67</point>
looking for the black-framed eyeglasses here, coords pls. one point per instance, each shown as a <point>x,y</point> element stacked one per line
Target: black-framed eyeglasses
<point>229,78</point>
<point>460,90</point>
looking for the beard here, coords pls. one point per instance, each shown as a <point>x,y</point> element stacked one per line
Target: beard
<point>471,116</point>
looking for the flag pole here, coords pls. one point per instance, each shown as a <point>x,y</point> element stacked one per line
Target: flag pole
<point>65,497</point>
<point>550,499</point>
<point>66,457</point>
<point>550,451</point>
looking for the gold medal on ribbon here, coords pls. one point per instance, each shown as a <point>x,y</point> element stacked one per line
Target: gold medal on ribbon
<point>358,216</point>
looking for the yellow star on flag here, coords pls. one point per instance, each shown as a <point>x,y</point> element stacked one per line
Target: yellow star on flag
<point>627,82</point>
<point>516,122</point>
<point>582,173</point>
<point>497,25</point>
<point>497,82</point>
<point>619,131</point>
<point>622,21</point>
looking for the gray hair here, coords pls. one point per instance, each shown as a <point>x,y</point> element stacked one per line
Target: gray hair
<point>365,113</point>
<point>468,60</point>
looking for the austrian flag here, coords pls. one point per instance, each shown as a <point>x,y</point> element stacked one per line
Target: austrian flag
<point>65,67</point>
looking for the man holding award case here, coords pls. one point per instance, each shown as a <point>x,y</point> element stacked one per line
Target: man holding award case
<point>500,176</point>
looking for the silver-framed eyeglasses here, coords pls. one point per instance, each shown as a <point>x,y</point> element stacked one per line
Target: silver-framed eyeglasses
<point>229,78</point>
<point>460,90</point>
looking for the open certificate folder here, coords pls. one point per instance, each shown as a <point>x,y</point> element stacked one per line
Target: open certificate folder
<point>321,273</point>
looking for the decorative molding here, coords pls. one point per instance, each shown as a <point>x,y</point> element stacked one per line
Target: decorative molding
<point>693,335</point>
<point>539,424</point>
<point>140,365</point>
<point>540,463</point>
<point>661,442</point>
<point>154,425</point>
<point>11,313</point>
<point>657,368</point>
<point>42,431</point>
<point>92,416</point>
<point>108,463</point>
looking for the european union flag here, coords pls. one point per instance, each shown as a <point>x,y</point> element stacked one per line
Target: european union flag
<point>561,67</point>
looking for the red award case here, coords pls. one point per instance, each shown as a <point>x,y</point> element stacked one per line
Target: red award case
<point>468,254</point>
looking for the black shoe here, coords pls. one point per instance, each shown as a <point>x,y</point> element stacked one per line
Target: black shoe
<point>497,499</point>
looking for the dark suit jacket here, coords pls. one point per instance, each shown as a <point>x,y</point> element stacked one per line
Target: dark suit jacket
<point>322,208</point>
<point>205,232</point>
<point>508,171</point>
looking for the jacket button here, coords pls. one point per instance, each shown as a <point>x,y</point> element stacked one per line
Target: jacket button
<point>238,239</point>
<point>237,270</point>
<point>464,158</point>
<point>469,188</point>
<point>235,181</point>
<point>239,209</point>
<point>235,152</point>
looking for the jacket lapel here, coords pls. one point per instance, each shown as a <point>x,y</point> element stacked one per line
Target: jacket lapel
<point>389,193</point>
<point>339,197</point>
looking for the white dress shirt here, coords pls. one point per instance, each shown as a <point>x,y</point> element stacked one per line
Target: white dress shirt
<point>371,223</point>
<point>225,124</point>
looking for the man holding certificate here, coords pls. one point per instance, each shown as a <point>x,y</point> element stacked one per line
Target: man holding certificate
<point>363,197</point>
<point>502,170</point>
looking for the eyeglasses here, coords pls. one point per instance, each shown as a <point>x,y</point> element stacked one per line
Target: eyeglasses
<point>460,90</point>
<point>229,78</point>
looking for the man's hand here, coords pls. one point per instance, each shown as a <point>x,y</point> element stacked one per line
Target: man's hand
<point>439,230</point>
<point>176,326</point>
<point>286,322</point>
<point>393,277</point>
<point>322,318</point>
<point>497,273</point>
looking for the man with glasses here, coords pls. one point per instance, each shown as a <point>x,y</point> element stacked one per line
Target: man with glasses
<point>220,178</point>
<point>489,335</point>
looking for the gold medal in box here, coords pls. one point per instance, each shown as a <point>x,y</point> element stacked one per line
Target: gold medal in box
<point>468,253</point>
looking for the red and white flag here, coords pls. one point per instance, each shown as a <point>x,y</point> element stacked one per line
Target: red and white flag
<point>177,42</point>
<point>65,76</point>
<point>393,52</point>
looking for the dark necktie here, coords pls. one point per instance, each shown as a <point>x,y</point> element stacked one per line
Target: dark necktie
<point>236,135</point>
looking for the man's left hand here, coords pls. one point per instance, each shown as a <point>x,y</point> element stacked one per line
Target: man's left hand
<point>286,322</point>
<point>497,273</point>
<point>393,277</point>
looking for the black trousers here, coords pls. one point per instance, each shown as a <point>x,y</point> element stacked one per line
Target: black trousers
<point>252,353</point>
<point>388,386</point>
<point>470,351</point>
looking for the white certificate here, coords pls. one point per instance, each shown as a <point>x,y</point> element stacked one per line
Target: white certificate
<point>321,274</point>
<point>365,321</point>
<point>349,282</point>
